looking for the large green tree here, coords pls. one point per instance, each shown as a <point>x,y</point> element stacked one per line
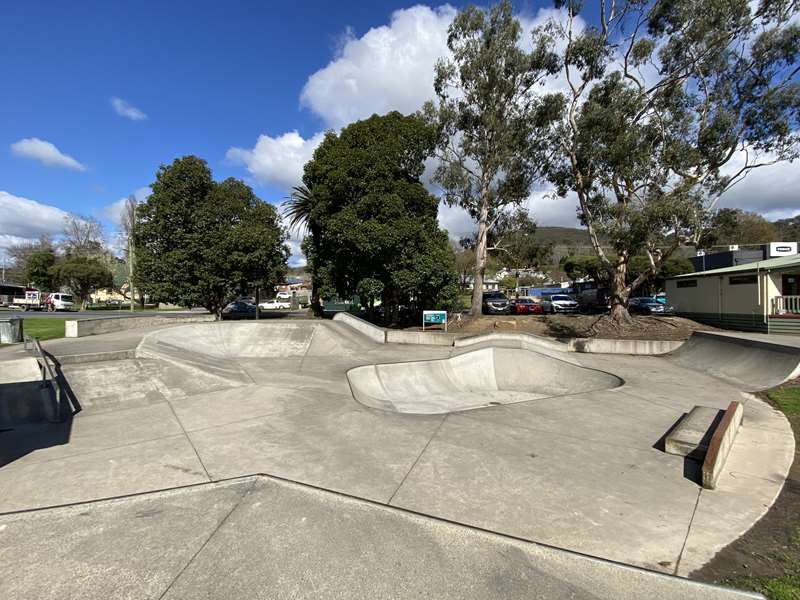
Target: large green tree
<point>668,104</point>
<point>487,116</point>
<point>198,241</point>
<point>39,268</point>
<point>82,275</point>
<point>372,224</point>
<point>735,226</point>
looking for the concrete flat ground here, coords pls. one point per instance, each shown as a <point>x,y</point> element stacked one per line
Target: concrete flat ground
<point>579,471</point>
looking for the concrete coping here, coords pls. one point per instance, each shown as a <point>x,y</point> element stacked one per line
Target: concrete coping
<point>94,326</point>
<point>720,445</point>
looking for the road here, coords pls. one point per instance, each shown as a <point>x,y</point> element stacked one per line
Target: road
<point>116,314</point>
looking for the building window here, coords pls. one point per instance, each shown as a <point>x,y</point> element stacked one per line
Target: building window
<point>687,283</point>
<point>742,280</point>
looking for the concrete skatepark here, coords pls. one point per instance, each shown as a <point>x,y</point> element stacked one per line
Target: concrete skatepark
<point>301,458</point>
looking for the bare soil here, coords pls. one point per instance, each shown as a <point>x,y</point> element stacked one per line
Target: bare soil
<point>583,326</point>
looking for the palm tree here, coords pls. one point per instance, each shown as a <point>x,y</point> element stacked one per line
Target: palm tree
<point>298,211</point>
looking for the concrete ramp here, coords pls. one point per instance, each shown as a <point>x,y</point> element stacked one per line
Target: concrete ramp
<point>747,361</point>
<point>252,340</point>
<point>472,380</point>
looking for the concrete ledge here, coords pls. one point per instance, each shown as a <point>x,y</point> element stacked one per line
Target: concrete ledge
<point>373,332</point>
<point>430,338</point>
<point>693,433</point>
<point>637,347</point>
<point>720,445</point>
<point>83,327</point>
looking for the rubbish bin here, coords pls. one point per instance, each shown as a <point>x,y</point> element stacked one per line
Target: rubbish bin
<point>10,330</point>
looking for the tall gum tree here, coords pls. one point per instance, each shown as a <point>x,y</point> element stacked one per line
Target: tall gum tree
<point>668,104</point>
<point>487,114</point>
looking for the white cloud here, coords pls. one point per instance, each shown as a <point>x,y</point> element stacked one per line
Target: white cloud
<point>277,160</point>
<point>113,211</point>
<point>24,220</point>
<point>124,109</point>
<point>388,68</point>
<point>771,190</point>
<point>46,153</point>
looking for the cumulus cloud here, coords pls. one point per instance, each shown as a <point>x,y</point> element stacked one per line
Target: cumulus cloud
<point>124,109</point>
<point>277,160</point>
<point>388,68</point>
<point>46,153</point>
<point>25,220</point>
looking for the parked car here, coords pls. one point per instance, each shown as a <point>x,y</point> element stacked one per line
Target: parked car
<point>595,300</point>
<point>275,304</point>
<point>239,309</point>
<point>495,303</point>
<point>560,303</point>
<point>649,306</point>
<point>525,306</point>
<point>283,296</point>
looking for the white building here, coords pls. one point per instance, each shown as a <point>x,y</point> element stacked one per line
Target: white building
<point>761,296</point>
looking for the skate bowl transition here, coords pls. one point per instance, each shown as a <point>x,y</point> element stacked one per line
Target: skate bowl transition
<point>476,379</point>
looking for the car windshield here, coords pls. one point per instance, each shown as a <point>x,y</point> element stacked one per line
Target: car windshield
<point>495,296</point>
<point>524,301</point>
<point>560,297</point>
<point>648,301</point>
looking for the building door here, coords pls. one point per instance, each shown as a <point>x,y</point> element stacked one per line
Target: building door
<point>790,285</point>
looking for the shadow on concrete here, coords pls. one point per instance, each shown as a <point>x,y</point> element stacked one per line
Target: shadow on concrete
<point>26,431</point>
<point>693,462</point>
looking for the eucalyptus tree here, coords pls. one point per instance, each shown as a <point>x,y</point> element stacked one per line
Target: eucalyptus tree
<point>487,114</point>
<point>668,104</point>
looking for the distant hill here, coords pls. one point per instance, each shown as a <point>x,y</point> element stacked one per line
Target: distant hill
<point>788,230</point>
<point>567,236</point>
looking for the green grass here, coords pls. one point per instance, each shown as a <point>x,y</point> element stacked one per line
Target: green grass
<point>787,399</point>
<point>44,328</point>
<point>786,587</point>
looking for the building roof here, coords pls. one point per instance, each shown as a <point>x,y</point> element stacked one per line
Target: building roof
<point>782,262</point>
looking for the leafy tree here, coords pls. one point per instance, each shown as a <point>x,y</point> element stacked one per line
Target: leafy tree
<point>663,97</point>
<point>20,254</point>
<point>788,230</point>
<point>487,117</point>
<point>39,268</point>
<point>198,242</point>
<point>372,223</point>
<point>735,226</point>
<point>82,275</point>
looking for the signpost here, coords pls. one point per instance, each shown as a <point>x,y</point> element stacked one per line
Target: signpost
<point>434,317</point>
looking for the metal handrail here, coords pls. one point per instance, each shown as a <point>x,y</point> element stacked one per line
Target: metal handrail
<point>782,305</point>
<point>32,345</point>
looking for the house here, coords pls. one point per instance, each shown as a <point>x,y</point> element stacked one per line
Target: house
<point>762,296</point>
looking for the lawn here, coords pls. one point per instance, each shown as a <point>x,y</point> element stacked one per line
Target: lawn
<point>767,558</point>
<point>44,328</point>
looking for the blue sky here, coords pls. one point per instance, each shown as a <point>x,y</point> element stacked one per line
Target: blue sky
<point>248,86</point>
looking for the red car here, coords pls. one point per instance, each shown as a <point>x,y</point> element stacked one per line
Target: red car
<point>525,306</point>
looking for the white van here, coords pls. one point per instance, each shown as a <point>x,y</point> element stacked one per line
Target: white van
<point>59,301</point>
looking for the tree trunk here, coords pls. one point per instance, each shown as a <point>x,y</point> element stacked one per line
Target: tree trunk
<point>317,307</point>
<point>620,293</point>
<point>480,259</point>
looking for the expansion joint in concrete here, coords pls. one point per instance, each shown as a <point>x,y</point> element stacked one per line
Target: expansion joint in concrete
<point>428,443</point>
<point>688,531</point>
<point>208,539</point>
